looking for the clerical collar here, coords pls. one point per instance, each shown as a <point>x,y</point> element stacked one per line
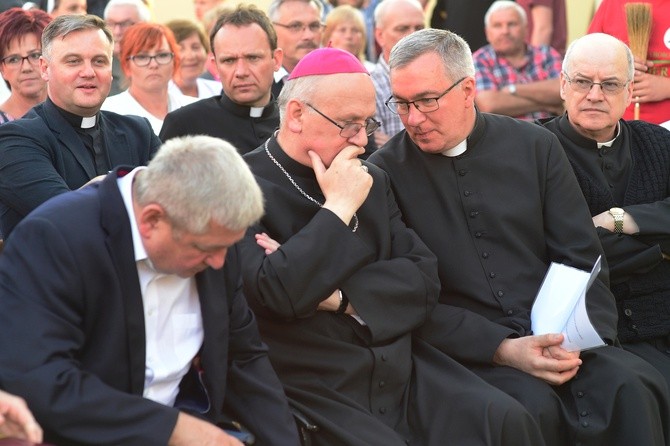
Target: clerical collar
<point>459,149</point>
<point>256,112</point>
<point>611,141</point>
<point>280,74</point>
<point>77,121</point>
<point>245,111</point>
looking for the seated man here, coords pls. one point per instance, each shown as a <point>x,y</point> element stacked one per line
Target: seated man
<point>495,199</point>
<point>66,141</point>
<point>623,168</point>
<point>120,323</point>
<point>513,78</point>
<point>245,50</point>
<point>338,300</point>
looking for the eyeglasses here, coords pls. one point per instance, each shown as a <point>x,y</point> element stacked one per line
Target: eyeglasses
<point>15,60</point>
<point>298,27</point>
<point>123,25</point>
<point>351,129</point>
<point>584,85</point>
<point>424,105</point>
<point>142,60</point>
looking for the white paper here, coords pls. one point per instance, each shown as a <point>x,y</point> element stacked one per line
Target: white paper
<point>560,306</point>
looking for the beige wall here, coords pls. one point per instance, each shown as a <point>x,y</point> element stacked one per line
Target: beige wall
<point>165,10</point>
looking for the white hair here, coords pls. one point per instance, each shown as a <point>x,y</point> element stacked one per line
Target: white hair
<point>142,10</point>
<point>502,5</point>
<point>199,180</point>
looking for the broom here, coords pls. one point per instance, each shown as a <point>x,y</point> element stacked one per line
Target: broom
<point>638,20</point>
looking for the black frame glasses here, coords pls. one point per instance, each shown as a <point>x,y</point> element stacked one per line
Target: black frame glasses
<point>15,60</point>
<point>583,85</point>
<point>351,129</point>
<point>144,60</point>
<point>424,105</point>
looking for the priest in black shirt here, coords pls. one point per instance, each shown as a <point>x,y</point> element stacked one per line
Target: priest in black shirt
<point>244,44</point>
<point>66,141</point>
<point>339,283</point>
<point>495,199</point>
<point>623,169</point>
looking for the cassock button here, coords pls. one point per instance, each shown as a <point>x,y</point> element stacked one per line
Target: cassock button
<point>384,357</point>
<point>462,172</point>
<point>628,312</point>
<point>382,384</point>
<point>510,312</point>
<point>583,413</point>
<point>473,214</point>
<point>585,424</point>
<point>492,275</point>
<point>485,255</point>
<point>478,234</point>
<point>580,394</point>
<point>501,293</point>
<point>466,193</point>
<point>382,410</point>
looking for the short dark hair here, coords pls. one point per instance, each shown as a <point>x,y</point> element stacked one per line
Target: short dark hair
<point>15,23</point>
<point>241,16</point>
<point>63,25</point>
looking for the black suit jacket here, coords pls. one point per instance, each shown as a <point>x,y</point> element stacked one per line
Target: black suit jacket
<point>42,156</point>
<point>72,341</point>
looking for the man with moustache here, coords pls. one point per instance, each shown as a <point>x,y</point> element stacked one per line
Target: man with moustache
<point>299,28</point>
<point>66,141</point>
<point>514,78</point>
<point>245,50</point>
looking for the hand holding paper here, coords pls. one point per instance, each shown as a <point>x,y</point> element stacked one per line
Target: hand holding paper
<point>560,307</point>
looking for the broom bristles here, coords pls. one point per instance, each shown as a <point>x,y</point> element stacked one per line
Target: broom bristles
<point>638,19</point>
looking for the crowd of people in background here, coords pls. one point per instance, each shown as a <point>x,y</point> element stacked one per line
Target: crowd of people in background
<point>324,222</point>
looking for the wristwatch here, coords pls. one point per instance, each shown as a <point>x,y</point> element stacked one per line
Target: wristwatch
<point>512,89</point>
<point>617,214</point>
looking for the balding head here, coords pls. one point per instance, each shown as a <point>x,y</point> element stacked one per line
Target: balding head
<point>595,47</point>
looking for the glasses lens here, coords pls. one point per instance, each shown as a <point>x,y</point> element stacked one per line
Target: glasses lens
<point>350,130</point>
<point>611,87</point>
<point>34,57</point>
<point>164,58</point>
<point>141,60</point>
<point>315,27</point>
<point>370,126</point>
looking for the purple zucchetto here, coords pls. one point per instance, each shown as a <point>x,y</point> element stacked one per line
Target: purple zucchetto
<point>327,61</point>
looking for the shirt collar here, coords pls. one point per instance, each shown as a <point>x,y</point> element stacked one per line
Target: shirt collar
<point>280,74</point>
<point>458,149</point>
<point>125,184</point>
<point>76,121</point>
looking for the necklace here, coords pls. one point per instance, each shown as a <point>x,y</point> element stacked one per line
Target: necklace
<point>304,194</point>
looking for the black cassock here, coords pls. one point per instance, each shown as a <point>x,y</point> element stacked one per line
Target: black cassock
<point>371,383</point>
<point>496,216</point>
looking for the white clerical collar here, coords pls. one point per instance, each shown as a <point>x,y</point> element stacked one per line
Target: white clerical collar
<point>256,112</point>
<point>87,123</point>
<point>280,74</point>
<point>611,141</point>
<point>459,149</point>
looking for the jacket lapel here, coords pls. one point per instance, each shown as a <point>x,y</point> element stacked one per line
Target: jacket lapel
<point>114,220</point>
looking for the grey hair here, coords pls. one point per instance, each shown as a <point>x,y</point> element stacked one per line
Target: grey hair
<point>501,5</point>
<point>599,40</point>
<point>200,180</point>
<point>452,49</point>
<point>142,10</point>
<point>387,5</point>
<point>273,9</point>
<point>301,89</point>
<point>63,25</point>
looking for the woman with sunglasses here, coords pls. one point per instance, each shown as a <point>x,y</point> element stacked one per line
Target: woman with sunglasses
<point>20,51</point>
<point>149,59</point>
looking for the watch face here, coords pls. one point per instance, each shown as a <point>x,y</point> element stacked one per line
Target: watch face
<point>617,211</point>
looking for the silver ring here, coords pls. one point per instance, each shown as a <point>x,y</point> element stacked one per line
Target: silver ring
<point>364,167</point>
